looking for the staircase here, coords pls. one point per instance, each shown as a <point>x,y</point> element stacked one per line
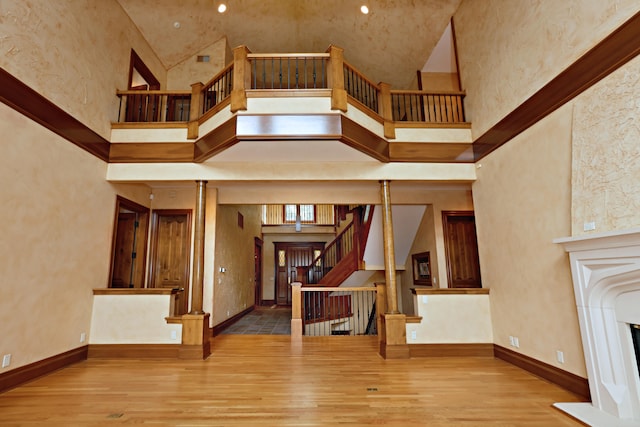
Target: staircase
<point>343,256</point>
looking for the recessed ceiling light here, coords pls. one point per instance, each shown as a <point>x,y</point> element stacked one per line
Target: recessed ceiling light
<point>176,24</point>
<point>364,9</point>
<point>222,8</point>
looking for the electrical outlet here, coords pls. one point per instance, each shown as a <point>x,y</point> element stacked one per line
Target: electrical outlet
<point>560,356</point>
<point>83,337</point>
<point>227,313</point>
<point>414,335</point>
<point>589,226</point>
<point>6,360</point>
<point>425,299</point>
<point>174,335</point>
<point>511,341</point>
<point>516,342</point>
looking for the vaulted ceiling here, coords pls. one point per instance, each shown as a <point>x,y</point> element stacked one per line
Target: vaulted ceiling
<point>389,44</point>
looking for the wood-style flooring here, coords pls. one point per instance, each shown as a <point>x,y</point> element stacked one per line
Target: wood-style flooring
<point>264,380</point>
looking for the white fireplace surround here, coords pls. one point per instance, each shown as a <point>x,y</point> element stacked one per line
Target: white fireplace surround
<point>606,280</point>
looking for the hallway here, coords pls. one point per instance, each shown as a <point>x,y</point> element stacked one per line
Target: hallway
<point>263,321</point>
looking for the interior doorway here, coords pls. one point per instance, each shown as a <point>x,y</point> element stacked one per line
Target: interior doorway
<point>143,107</point>
<point>461,249</point>
<point>288,256</point>
<point>129,246</point>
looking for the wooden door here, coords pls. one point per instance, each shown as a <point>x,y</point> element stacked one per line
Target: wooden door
<point>124,251</point>
<point>461,249</point>
<point>289,256</point>
<point>257,265</point>
<point>171,243</point>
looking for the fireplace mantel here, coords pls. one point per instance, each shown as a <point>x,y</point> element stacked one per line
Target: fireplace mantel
<point>606,280</point>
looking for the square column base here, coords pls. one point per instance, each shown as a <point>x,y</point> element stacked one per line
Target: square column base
<point>195,337</point>
<point>393,344</point>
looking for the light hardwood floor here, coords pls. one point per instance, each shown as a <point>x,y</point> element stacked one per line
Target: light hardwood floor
<point>267,381</point>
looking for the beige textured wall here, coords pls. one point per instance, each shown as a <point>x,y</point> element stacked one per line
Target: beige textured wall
<point>75,53</point>
<point>233,290</point>
<point>57,230</point>
<point>472,322</point>
<point>440,81</point>
<point>523,201</point>
<point>606,165</point>
<point>507,50</point>
<point>189,71</point>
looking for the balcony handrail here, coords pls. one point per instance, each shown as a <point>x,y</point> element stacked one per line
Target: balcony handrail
<point>287,55</point>
<point>428,92</point>
<point>360,75</point>
<point>153,92</point>
<point>221,73</point>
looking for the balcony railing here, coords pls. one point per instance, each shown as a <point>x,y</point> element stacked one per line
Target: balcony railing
<point>291,72</point>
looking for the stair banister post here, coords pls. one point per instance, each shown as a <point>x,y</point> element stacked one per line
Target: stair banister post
<point>335,78</point>
<point>386,110</point>
<point>194,111</point>
<point>296,311</point>
<point>241,78</point>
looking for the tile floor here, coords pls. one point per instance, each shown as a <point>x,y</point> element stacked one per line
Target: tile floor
<point>263,321</point>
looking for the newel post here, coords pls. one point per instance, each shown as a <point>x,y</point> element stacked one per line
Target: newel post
<point>335,78</point>
<point>194,111</point>
<point>241,78</point>
<point>296,311</point>
<point>386,110</point>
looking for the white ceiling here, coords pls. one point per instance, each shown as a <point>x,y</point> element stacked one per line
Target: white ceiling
<point>389,44</point>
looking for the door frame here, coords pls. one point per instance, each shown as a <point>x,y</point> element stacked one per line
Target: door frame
<point>277,245</point>
<point>257,274</point>
<point>155,216</point>
<point>141,243</point>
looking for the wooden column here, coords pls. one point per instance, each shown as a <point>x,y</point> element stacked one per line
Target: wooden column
<point>386,110</point>
<point>198,250</point>
<point>296,311</point>
<point>389,250</point>
<point>194,112</point>
<point>241,78</point>
<point>394,343</point>
<point>335,78</point>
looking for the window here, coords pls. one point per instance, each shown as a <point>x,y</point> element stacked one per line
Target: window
<point>307,213</point>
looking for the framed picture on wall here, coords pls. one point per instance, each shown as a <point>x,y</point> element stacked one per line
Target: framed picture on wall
<point>421,269</point>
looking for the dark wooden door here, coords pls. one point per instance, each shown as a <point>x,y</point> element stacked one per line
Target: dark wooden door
<point>171,238</point>
<point>461,248</point>
<point>124,251</point>
<point>289,256</point>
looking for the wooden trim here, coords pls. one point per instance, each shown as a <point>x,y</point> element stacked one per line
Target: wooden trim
<point>23,374</point>
<point>433,152</point>
<point>455,52</point>
<point>557,376</point>
<point>451,350</point>
<point>134,351</point>
<point>450,291</point>
<point>151,152</point>
<point>413,319</point>
<point>287,55</point>
<point>135,291</point>
<point>603,59</point>
<point>217,329</point>
<point>175,320</point>
<point>216,141</point>
<point>432,125</point>
<point>149,125</point>
<point>356,136</point>
<point>33,105</point>
<point>215,110</point>
<point>137,63</point>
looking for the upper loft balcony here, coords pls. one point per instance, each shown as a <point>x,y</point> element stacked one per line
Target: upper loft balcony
<point>284,99</point>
